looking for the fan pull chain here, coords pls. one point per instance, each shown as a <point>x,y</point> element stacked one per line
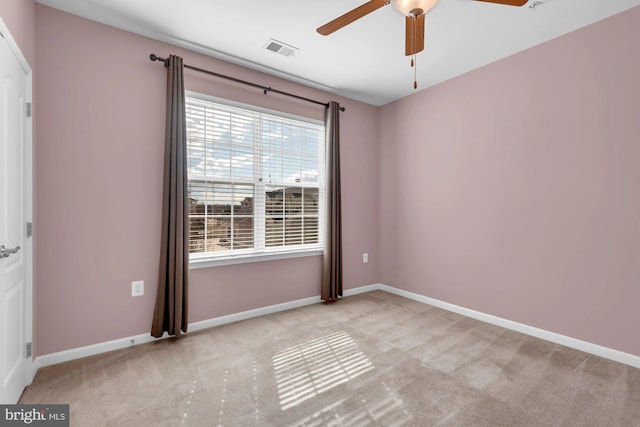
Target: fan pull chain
<point>415,71</point>
<point>414,59</point>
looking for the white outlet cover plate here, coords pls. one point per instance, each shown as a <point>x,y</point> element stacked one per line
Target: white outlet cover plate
<point>137,288</point>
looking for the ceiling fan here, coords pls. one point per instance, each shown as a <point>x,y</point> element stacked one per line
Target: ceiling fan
<point>414,12</point>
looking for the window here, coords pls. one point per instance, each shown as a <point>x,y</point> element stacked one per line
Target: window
<point>255,182</point>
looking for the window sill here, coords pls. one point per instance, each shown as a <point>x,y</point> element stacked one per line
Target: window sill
<point>206,262</point>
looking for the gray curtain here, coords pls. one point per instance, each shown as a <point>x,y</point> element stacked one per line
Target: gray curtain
<point>332,256</point>
<point>171,309</point>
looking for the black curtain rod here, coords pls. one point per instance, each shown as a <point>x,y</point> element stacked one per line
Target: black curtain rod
<point>265,89</point>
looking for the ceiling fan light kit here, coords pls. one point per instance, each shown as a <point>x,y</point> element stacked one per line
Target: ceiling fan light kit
<point>413,7</point>
<point>414,12</point>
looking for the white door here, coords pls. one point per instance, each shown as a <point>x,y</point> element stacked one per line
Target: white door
<point>15,204</point>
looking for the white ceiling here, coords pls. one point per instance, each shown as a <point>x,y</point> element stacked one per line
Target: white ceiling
<point>363,61</point>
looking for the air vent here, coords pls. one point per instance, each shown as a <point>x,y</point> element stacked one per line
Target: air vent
<point>281,48</point>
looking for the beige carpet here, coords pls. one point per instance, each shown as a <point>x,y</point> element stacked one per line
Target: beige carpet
<point>371,359</point>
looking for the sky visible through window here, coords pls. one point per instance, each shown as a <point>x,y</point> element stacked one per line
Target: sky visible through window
<point>222,145</point>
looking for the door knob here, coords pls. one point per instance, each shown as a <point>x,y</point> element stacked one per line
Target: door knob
<point>6,253</point>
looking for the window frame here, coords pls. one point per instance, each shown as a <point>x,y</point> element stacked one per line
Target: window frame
<point>213,259</point>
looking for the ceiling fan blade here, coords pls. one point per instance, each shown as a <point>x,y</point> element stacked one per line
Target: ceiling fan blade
<point>414,34</point>
<point>507,2</point>
<point>349,17</point>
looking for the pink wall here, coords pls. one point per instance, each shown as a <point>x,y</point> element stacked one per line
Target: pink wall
<point>510,190</point>
<point>20,17</point>
<point>513,190</point>
<point>99,163</point>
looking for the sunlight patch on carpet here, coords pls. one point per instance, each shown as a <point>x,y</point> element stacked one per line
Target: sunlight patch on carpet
<point>383,406</point>
<point>315,366</point>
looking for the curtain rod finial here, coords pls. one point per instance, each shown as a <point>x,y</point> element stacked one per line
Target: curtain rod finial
<point>155,57</point>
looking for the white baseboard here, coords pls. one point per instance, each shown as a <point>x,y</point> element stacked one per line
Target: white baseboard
<point>244,315</point>
<point>91,350</point>
<point>361,290</point>
<point>587,347</point>
<point>103,347</point>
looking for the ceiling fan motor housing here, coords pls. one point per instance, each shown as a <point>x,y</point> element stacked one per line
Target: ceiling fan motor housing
<point>413,7</point>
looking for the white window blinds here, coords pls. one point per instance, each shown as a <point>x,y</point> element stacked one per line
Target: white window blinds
<point>255,181</point>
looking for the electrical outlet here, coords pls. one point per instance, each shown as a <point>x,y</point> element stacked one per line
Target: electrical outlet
<point>137,288</point>
<point>365,258</point>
